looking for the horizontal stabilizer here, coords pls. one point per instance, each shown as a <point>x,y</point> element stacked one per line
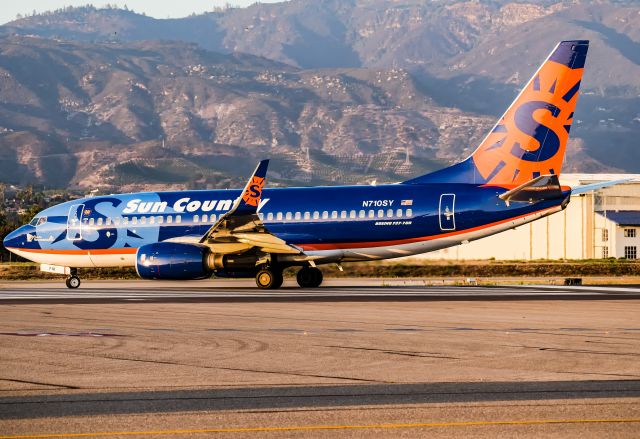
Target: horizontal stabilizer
<point>544,187</point>
<point>595,186</point>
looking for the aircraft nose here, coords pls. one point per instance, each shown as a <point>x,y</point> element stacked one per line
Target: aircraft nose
<point>15,239</point>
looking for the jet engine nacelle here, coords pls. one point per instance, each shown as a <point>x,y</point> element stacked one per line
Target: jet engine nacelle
<point>173,260</point>
<point>180,261</point>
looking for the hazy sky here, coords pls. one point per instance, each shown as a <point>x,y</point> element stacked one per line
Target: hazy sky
<point>154,8</point>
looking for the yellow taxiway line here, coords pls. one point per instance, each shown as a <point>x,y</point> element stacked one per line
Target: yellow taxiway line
<point>324,427</point>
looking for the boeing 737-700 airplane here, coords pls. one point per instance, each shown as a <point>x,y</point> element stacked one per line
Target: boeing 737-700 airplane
<point>510,179</point>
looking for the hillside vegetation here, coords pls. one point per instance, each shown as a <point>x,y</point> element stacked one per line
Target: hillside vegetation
<point>335,91</point>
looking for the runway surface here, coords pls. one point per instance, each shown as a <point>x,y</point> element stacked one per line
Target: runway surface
<point>334,290</point>
<point>122,359</point>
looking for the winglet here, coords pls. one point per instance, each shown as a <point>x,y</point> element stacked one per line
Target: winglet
<point>245,208</point>
<point>249,199</point>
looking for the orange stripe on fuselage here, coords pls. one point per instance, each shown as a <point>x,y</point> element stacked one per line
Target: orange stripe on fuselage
<point>105,251</point>
<point>342,245</point>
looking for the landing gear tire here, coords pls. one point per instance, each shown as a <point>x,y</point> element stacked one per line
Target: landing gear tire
<point>309,277</point>
<point>73,282</point>
<point>268,279</point>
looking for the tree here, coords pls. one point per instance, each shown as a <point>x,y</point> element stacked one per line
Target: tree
<point>29,213</point>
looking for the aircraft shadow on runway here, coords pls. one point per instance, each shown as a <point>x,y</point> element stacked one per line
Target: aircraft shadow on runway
<point>301,397</point>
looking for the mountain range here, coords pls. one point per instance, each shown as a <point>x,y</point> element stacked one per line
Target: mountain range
<point>335,91</point>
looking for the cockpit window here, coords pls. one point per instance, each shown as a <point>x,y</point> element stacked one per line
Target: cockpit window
<point>38,221</point>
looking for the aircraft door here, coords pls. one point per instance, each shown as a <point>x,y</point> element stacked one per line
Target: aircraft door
<point>74,222</point>
<point>447,212</point>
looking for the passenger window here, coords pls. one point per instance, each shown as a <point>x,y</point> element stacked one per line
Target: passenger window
<point>213,218</point>
<point>99,222</point>
<point>316,215</point>
<point>270,216</point>
<point>279,216</point>
<point>307,215</point>
<point>399,213</point>
<point>108,221</point>
<point>143,220</point>
<point>205,217</point>
<point>352,214</point>
<point>409,213</point>
<point>298,216</point>
<point>390,213</point>
<point>260,216</point>
<point>152,220</point>
<point>371,214</point>
<point>334,214</point>
<point>91,221</point>
<point>196,218</point>
<point>178,219</point>
<point>380,213</point>
<point>361,214</point>
<point>125,220</point>
<point>288,216</point>
<point>343,214</point>
<point>160,220</point>
<point>169,219</point>
<point>325,214</point>
<point>85,220</point>
<point>116,221</point>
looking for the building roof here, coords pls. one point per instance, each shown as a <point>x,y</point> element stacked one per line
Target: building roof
<point>623,217</point>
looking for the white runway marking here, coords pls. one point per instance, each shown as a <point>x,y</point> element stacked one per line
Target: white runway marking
<point>164,293</point>
<point>612,289</point>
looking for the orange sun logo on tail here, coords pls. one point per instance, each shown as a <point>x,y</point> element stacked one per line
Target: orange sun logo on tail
<point>253,192</point>
<point>531,137</point>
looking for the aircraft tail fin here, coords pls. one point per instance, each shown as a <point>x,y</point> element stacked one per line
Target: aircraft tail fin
<point>530,138</point>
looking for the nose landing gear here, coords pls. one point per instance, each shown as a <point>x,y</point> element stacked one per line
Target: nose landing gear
<point>73,281</point>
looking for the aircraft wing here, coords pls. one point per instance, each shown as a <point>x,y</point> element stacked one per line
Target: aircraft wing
<point>241,227</point>
<point>595,186</point>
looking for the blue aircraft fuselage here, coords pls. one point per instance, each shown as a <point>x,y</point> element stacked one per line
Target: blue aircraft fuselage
<point>344,222</point>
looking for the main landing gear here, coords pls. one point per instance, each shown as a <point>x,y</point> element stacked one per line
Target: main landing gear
<point>73,281</point>
<point>269,278</point>
<point>309,277</point>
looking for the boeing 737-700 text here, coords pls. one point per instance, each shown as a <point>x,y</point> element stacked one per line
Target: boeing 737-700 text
<point>510,179</point>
